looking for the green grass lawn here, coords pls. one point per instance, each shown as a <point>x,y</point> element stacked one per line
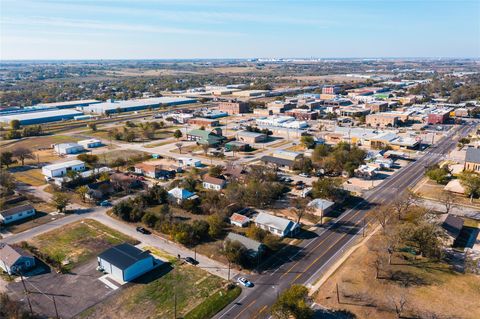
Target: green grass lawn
<point>79,242</point>
<point>198,295</point>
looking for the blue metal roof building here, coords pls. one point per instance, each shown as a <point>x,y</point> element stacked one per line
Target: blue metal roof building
<point>40,117</point>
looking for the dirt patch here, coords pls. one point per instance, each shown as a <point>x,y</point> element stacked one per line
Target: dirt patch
<point>432,288</point>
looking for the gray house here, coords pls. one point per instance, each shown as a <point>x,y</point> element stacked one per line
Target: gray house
<point>126,262</point>
<point>254,248</point>
<point>14,260</point>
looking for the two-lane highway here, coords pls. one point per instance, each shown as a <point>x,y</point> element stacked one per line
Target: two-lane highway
<point>305,265</point>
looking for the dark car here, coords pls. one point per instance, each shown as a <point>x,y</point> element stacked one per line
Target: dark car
<point>191,261</point>
<point>143,230</point>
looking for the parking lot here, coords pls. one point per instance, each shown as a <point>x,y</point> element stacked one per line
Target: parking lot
<point>72,293</point>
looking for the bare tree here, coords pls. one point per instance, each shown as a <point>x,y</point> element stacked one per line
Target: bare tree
<point>23,153</point>
<point>179,146</point>
<point>399,303</point>
<point>403,202</point>
<point>381,215</point>
<point>299,206</point>
<point>448,201</point>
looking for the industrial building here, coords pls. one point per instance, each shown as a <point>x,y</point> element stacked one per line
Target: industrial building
<point>68,104</point>
<point>68,148</point>
<point>90,143</point>
<point>61,169</point>
<point>251,137</point>
<point>233,107</point>
<point>126,262</point>
<point>112,106</point>
<point>40,117</point>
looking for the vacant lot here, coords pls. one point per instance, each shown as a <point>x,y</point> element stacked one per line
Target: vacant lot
<point>28,175</point>
<point>430,290</point>
<point>153,296</point>
<point>40,142</point>
<point>124,154</point>
<point>78,242</point>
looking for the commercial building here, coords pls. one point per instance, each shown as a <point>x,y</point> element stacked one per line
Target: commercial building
<point>251,137</point>
<point>69,104</point>
<point>251,93</point>
<point>330,89</point>
<point>439,116</point>
<point>233,107</point>
<point>277,107</point>
<point>68,148</point>
<point>236,145</point>
<point>90,143</point>
<point>376,106</point>
<point>153,170</point>
<point>16,213</point>
<point>112,106</point>
<point>126,262</point>
<point>61,169</point>
<point>14,260</point>
<point>200,121</point>
<point>320,206</point>
<point>381,120</point>
<point>281,121</point>
<point>40,117</point>
<point>303,114</point>
<point>353,111</point>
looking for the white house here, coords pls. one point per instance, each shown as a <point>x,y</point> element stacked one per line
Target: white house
<point>14,260</point>
<point>90,143</point>
<point>61,169</point>
<point>126,262</point>
<point>276,225</point>
<point>16,213</point>
<point>214,183</point>
<point>68,148</point>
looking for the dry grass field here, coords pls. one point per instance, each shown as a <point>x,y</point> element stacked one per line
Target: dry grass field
<point>431,290</point>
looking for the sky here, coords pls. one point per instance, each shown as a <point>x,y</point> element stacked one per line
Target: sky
<point>184,29</point>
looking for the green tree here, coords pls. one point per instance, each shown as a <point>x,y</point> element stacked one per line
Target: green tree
<point>293,303</point>
<point>307,141</point>
<point>93,127</point>
<point>6,159</point>
<point>60,201</point>
<point>471,181</point>
<point>216,225</point>
<point>215,171</point>
<point>82,192</point>
<point>235,251</point>
<point>177,134</point>
<point>328,188</point>
<point>22,153</point>
<point>441,175</point>
<point>7,184</point>
<point>15,125</point>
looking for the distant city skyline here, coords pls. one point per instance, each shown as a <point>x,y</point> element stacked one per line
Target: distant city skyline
<point>185,29</point>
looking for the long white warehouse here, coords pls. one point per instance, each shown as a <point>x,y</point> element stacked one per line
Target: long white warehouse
<point>40,117</point>
<point>112,106</point>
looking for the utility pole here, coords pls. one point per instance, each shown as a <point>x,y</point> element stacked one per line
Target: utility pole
<point>229,270</point>
<point>55,305</point>
<point>338,294</point>
<point>195,253</point>
<point>26,294</point>
<point>363,228</point>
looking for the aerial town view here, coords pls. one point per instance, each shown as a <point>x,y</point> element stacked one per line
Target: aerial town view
<point>239,159</point>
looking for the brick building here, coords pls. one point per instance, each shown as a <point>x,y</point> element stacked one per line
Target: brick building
<point>233,107</point>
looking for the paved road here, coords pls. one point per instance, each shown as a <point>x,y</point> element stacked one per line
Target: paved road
<point>305,264</point>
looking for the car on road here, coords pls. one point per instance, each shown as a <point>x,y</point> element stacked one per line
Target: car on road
<point>143,230</point>
<point>243,281</point>
<point>191,261</point>
<point>304,175</point>
<point>105,203</point>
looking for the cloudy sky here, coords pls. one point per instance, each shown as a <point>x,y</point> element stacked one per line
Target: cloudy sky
<point>138,29</point>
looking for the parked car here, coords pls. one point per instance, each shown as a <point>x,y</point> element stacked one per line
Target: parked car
<point>143,230</point>
<point>191,261</point>
<point>105,203</point>
<point>304,175</point>
<point>245,282</point>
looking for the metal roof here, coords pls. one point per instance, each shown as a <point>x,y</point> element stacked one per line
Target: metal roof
<point>473,155</point>
<point>124,255</point>
<point>39,115</point>
<point>250,244</point>
<point>282,224</point>
<point>62,165</point>
<point>15,210</point>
